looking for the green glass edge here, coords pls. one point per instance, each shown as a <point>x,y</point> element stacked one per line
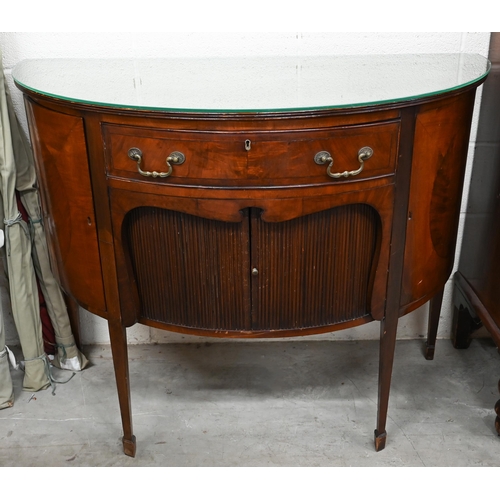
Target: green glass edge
<point>244,111</point>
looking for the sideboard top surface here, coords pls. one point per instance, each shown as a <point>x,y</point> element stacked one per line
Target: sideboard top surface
<point>260,84</point>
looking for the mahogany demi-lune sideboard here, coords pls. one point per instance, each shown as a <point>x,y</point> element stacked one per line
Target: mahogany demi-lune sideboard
<point>252,197</point>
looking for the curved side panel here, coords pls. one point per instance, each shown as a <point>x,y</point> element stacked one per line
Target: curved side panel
<point>63,173</point>
<point>439,160</point>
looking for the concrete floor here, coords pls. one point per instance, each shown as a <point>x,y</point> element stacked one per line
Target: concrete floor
<point>310,403</point>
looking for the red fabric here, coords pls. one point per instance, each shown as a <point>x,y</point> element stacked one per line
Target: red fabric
<point>49,337</point>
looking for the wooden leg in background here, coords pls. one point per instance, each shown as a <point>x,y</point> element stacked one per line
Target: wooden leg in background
<point>465,320</point>
<point>469,315</point>
<point>464,325</point>
<point>74,318</point>
<point>433,323</point>
<point>388,330</point>
<point>119,350</point>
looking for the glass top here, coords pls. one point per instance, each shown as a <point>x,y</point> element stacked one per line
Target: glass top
<point>250,84</point>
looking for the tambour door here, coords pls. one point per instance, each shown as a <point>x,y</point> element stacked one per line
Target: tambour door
<point>252,275</point>
<point>190,271</point>
<point>315,270</point>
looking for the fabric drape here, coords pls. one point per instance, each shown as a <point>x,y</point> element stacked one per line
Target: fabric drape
<point>6,389</point>
<point>26,256</point>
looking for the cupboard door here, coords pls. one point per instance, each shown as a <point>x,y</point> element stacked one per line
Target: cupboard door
<point>253,275</point>
<point>190,271</point>
<point>315,270</point>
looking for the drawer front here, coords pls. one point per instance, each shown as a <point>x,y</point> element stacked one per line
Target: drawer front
<point>251,158</point>
<point>206,156</point>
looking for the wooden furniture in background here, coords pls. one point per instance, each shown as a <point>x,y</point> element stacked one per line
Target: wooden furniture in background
<point>477,297</point>
<point>266,210</point>
<point>477,281</point>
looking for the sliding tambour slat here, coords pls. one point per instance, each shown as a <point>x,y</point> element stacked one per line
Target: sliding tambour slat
<point>314,270</point>
<point>190,271</point>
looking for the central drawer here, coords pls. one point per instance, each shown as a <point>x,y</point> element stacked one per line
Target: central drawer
<point>251,158</point>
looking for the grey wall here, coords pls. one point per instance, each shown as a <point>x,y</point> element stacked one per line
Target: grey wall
<point>485,179</point>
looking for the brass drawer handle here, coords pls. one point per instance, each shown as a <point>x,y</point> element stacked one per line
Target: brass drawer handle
<point>175,157</point>
<point>325,157</point>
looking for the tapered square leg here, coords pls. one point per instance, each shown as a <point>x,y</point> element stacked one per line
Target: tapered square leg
<point>129,446</point>
<point>388,329</point>
<point>380,440</point>
<point>119,349</point>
